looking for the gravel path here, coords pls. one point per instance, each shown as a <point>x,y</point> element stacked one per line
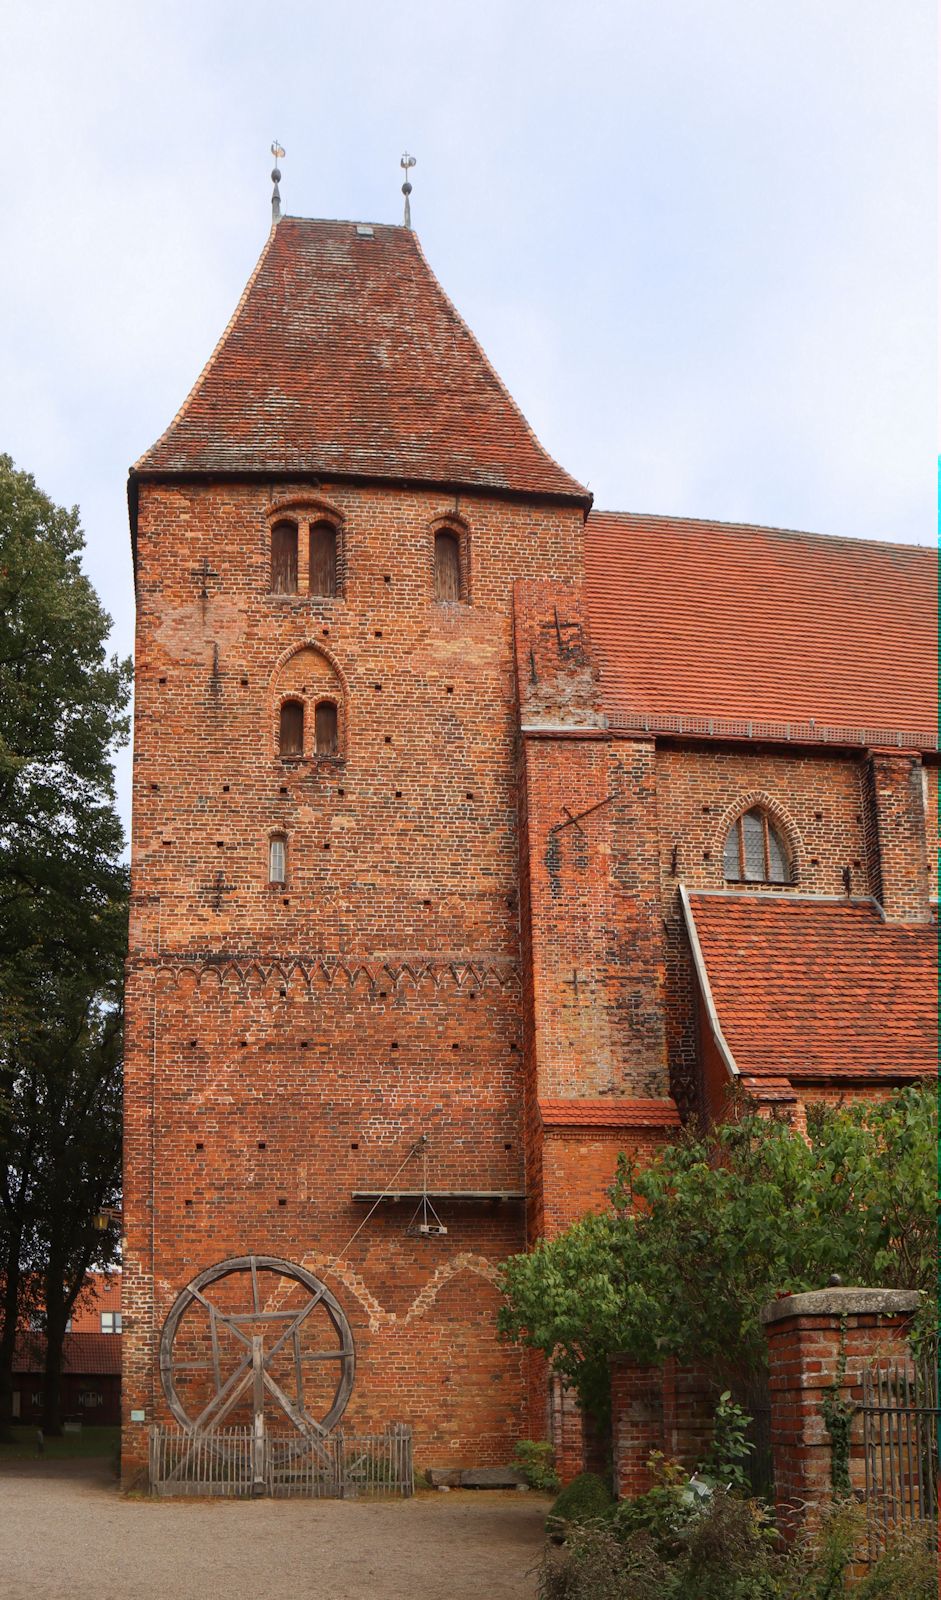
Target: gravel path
<point>66,1534</point>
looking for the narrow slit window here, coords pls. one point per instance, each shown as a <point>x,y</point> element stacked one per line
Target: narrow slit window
<point>325,728</point>
<point>754,851</point>
<point>447,567</point>
<point>292,728</point>
<point>277,859</point>
<point>284,558</point>
<point>323,559</point>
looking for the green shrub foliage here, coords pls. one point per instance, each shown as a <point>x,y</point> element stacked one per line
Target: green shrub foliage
<point>677,1544</point>
<point>694,1243</point>
<point>534,1458</point>
<point>582,1501</point>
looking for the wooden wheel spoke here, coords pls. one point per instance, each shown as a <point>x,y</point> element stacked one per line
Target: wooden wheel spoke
<point>216,1315</point>
<point>294,1327</point>
<point>300,1419</point>
<point>223,1401</point>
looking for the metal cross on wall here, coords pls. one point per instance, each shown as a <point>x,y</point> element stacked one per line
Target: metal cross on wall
<point>568,636</point>
<point>203,574</point>
<point>219,888</point>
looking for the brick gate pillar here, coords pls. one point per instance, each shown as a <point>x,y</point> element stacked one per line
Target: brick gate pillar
<point>809,1336</point>
<point>637,1425</point>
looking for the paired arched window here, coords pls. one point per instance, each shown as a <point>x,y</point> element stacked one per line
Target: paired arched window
<point>291,729</point>
<point>284,558</point>
<point>447,565</point>
<point>322,565</point>
<point>322,571</point>
<point>754,850</point>
<point>291,732</point>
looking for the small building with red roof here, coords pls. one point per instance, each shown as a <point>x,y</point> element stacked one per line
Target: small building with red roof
<point>90,1385</point>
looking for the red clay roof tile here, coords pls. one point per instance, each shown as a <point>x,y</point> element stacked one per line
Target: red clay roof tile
<point>611,1113</point>
<point>82,1353</point>
<point>748,625</point>
<point>345,358</point>
<point>819,989</point>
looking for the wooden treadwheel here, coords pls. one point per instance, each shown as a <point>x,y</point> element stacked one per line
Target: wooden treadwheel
<point>247,1331</point>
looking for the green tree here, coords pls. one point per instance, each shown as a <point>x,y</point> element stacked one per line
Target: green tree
<point>63,907</point>
<point>697,1241</point>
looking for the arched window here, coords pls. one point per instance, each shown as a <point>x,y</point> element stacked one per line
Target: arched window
<point>447,566</point>
<point>325,728</point>
<point>754,851</point>
<point>291,735</point>
<point>323,559</point>
<point>284,558</point>
<point>278,858</point>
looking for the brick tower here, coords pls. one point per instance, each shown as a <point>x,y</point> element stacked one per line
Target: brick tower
<point>325,959</point>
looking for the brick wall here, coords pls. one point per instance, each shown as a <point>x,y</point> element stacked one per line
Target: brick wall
<point>286,1045</point>
<point>806,1334</point>
<point>897,790</point>
<point>637,1428</point>
<point>478,937</point>
<point>930,772</point>
<point>594,980</point>
<point>817,800</point>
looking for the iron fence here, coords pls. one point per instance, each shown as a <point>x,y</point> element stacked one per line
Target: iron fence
<point>900,1444</point>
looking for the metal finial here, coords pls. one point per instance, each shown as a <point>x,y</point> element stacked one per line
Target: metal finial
<point>278,153</point>
<point>406,163</point>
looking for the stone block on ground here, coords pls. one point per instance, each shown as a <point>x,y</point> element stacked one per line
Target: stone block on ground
<point>492,1478</point>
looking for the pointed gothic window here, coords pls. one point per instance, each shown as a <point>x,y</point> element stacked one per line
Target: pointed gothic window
<point>278,858</point>
<point>284,558</point>
<point>323,559</point>
<point>291,741</point>
<point>754,851</point>
<point>325,728</point>
<point>447,566</point>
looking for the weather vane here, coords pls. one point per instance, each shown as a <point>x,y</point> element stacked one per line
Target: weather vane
<point>277,152</point>
<point>406,163</point>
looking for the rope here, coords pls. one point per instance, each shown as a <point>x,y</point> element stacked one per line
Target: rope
<point>420,1144</point>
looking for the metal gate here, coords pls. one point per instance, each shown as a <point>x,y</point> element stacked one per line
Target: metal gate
<point>240,1464</point>
<point>751,1391</point>
<point>900,1443</point>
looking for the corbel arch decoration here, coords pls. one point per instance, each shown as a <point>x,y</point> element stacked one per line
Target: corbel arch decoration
<point>321,552</point>
<point>757,843</point>
<point>449,557</point>
<point>308,707</point>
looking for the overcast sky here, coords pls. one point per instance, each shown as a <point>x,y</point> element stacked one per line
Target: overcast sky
<point>696,237</point>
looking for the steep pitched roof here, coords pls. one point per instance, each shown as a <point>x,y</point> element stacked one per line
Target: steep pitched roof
<point>815,989</point>
<point>83,1354</point>
<point>345,358</point>
<point>760,626</point>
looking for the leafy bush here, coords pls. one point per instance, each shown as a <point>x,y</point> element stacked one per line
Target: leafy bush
<point>909,1568</point>
<point>675,1543</point>
<point>583,1501</point>
<point>669,1549</point>
<point>726,1461</point>
<point>692,1245</point>
<point>534,1459</point>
